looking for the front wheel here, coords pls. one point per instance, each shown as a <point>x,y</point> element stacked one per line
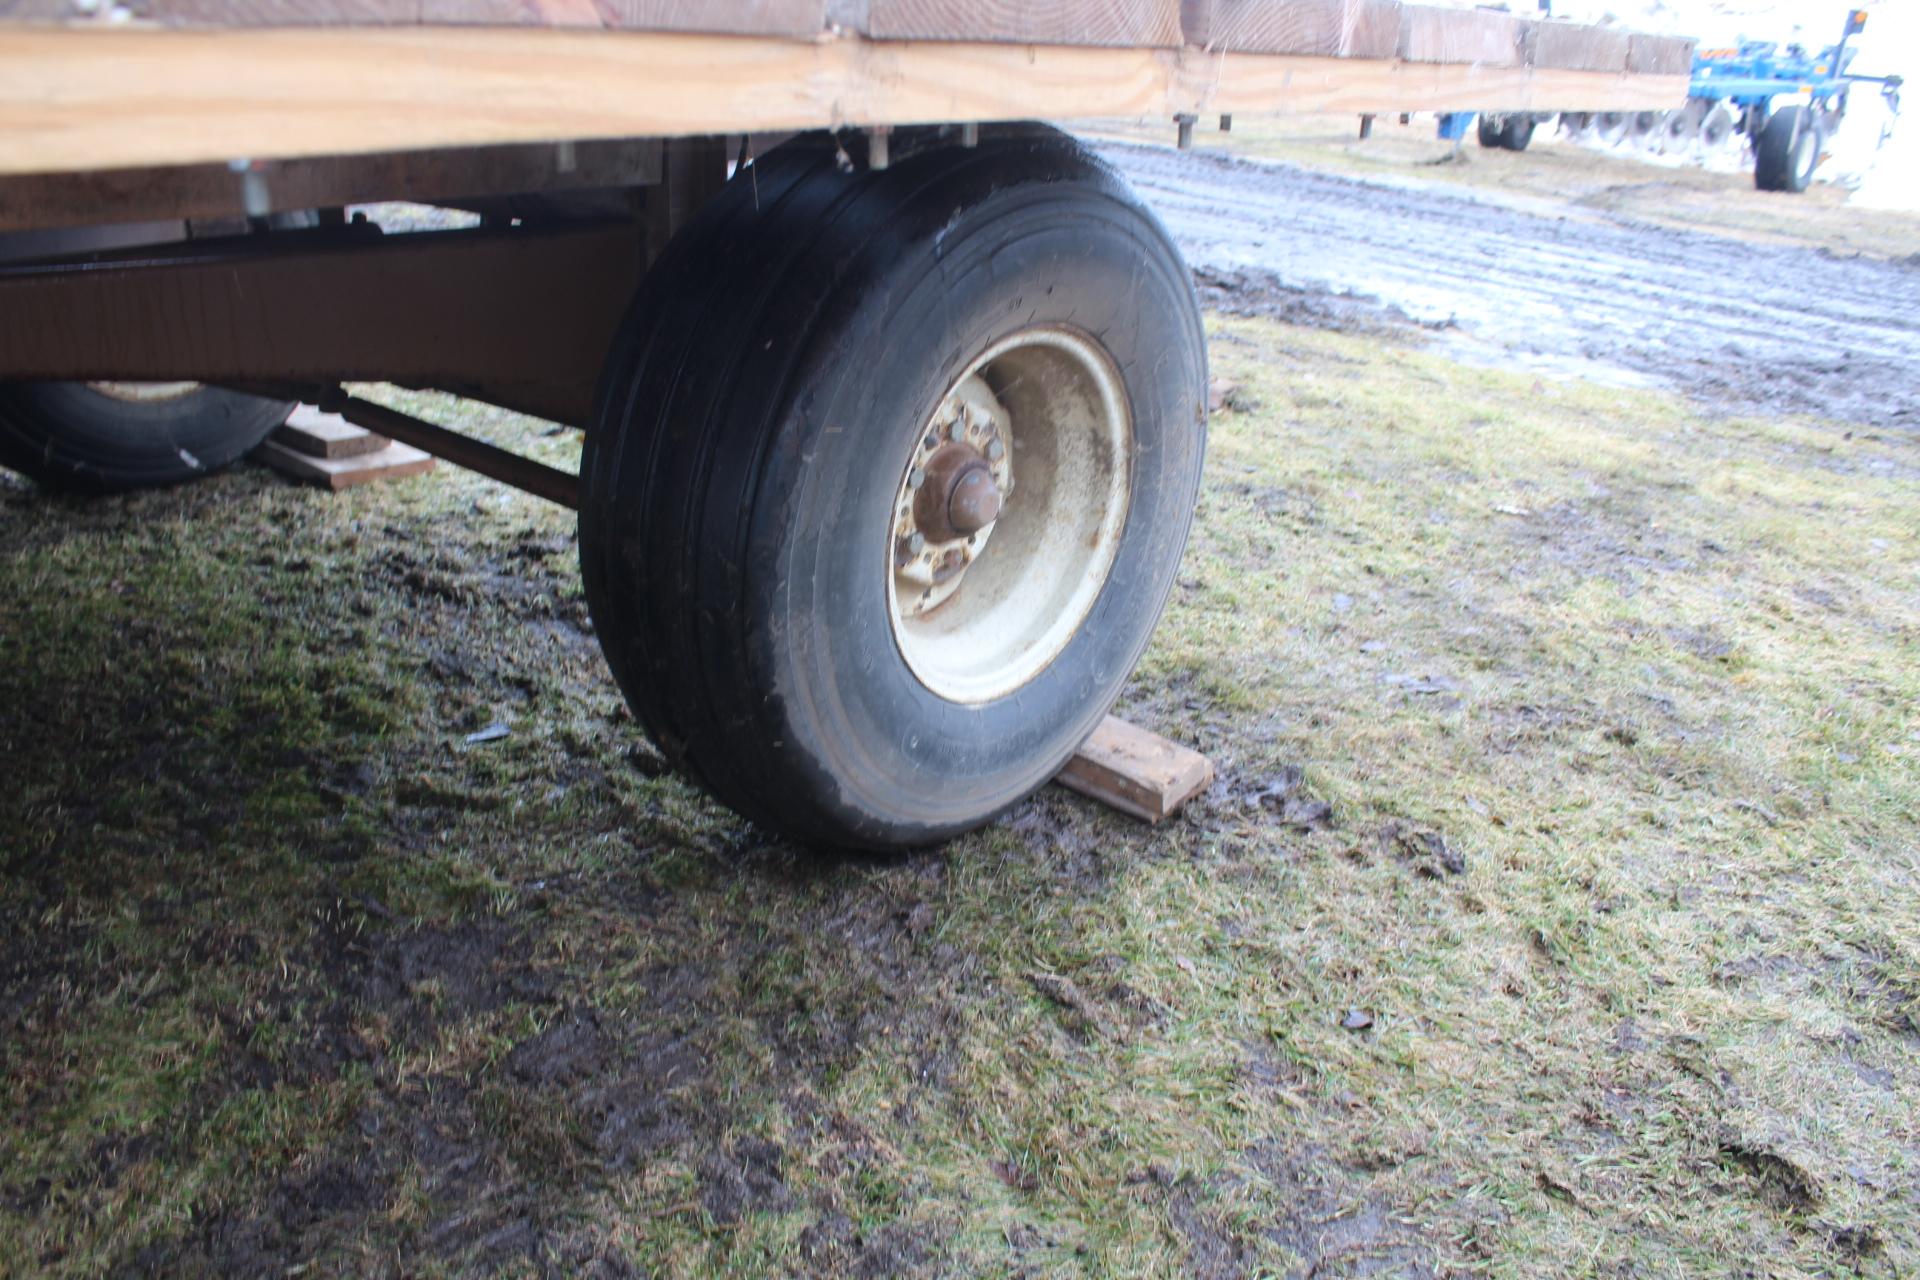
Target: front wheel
<point>889,478</point>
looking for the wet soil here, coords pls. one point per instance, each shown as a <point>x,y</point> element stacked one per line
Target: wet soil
<point>1742,327</point>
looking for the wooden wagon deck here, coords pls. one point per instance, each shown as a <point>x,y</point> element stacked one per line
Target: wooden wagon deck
<point>190,81</point>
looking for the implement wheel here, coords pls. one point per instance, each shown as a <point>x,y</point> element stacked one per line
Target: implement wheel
<point>1788,150</point>
<point>890,474</point>
<point>1517,132</point>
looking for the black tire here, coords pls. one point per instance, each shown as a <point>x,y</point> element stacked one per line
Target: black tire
<point>1788,150</point>
<point>74,437</point>
<point>745,459</point>
<point>1517,132</point>
<point>1490,130</point>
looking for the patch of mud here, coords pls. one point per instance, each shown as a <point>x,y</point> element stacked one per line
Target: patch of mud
<point>743,1179</point>
<point>1778,1179</point>
<point>1739,326</point>
<point>1253,291</point>
<point>1332,1224</point>
<point>1329,1223</point>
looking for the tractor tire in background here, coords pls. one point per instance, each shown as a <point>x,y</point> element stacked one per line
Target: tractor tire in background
<point>1490,130</point>
<point>86,437</point>
<point>1517,132</point>
<point>890,474</point>
<point>1787,151</point>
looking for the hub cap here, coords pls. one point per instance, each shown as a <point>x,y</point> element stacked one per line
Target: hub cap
<point>1009,515</point>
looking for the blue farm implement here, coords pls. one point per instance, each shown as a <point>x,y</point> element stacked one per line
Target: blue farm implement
<point>1784,103</point>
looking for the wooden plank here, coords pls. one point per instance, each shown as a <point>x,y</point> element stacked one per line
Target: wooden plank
<point>791,18</point>
<point>1576,46</point>
<point>1333,28</point>
<point>1151,23</point>
<point>390,463</point>
<point>79,99</point>
<point>1480,37</point>
<point>326,435</point>
<point>1659,55</point>
<point>1136,771</point>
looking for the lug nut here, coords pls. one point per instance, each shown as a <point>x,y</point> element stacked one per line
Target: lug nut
<point>917,542</point>
<point>916,478</point>
<point>995,450</point>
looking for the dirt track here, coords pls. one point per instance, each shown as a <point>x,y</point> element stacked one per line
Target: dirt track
<point>1742,326</point>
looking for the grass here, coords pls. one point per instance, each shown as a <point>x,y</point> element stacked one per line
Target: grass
<point>1566,178</point>
<point>294,975</point>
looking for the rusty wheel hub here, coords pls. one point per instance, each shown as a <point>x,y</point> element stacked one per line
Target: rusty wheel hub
<point>991,579</point>
<point>961,474</point>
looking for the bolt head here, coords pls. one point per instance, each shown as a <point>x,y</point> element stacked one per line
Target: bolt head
<point>916,478</point>
<point>975,502</point>
<point>917,543</point>
<point>996,450</point>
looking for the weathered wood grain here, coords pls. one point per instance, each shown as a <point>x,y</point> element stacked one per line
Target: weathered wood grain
<point>1576,46</point>
<point>73,100</point>
<point>797,18</point>
<point>1328,28</point>
<point>1479,37</point>
<point>1150,23</point>
<point>1333,28</point>
<point>1136,770</point>
<point>1659,55</point>
<point>391,463</point>
<point>325,435</point>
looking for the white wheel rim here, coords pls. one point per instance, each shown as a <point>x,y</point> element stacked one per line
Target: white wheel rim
<point>977,616</point>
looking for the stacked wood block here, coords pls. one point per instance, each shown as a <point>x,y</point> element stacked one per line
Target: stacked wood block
<point>325,449</point>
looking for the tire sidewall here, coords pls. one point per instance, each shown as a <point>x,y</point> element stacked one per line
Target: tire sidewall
<point>69,435</point>
<point>852,706</point>
<point>1805,155</point>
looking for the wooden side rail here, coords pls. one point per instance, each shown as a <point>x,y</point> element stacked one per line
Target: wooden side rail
<point>92,98</point>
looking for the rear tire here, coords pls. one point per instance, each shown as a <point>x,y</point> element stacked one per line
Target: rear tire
<point>83,438</point>
<point>1517,132</point>
<point>1491,131</point>
<point>1788,150</point>
<point>759,426</point>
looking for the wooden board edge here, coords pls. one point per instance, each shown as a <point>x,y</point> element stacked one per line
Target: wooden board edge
<point>128,98</point>
<point>1136,771</point>
<point>394,462</point>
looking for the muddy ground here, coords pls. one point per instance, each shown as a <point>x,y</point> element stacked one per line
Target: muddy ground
<point>1740,326</point>
<point>1557,909</point>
